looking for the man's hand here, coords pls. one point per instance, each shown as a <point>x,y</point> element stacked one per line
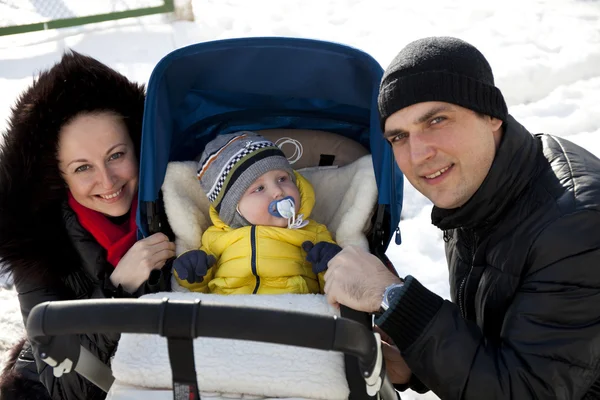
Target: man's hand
<point>357,279</point>
<point>395,366</point>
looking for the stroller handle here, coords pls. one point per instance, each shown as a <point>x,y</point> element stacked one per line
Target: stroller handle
<point>192,319</point>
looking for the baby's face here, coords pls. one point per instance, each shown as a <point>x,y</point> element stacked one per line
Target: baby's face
<point>273,185</point>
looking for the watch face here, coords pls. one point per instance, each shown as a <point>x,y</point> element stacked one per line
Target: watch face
<point>394,292</point>
<point>390,293</point>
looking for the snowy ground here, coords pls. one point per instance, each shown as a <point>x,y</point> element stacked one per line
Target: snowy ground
<point>544,53</point>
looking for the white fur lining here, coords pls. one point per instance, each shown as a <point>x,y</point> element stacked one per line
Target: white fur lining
<point>122,391</point>
<point>234,368</point>
<point>345,200</point>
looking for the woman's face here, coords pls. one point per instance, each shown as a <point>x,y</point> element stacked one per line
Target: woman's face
<point>98,162</point>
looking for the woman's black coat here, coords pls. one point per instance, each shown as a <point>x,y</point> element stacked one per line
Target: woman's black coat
<point>50,256</point>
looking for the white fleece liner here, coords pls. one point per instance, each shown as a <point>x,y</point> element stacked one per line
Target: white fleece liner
<point>345,200</point>
<point>233,368</point>
<point>121,391</point>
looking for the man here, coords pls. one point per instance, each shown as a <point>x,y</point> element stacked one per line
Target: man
<point>521,221</point>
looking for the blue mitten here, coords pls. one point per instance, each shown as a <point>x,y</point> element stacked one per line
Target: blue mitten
<point>320,254</point>
<point>193,265</point>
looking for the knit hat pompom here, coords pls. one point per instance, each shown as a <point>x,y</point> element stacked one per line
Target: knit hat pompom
<point>230,164</point>
<point>440,69</point>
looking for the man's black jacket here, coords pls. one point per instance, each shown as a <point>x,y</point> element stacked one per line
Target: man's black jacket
<point>524,261</point>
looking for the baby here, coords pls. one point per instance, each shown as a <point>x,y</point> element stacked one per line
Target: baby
<point>261,240</point>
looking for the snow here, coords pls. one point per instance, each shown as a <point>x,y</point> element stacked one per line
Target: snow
<point>544,54</point>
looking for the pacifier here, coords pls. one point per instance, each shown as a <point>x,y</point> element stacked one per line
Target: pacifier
<point>286,208</point>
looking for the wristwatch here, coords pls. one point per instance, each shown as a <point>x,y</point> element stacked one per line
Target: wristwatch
<point>389,293</point>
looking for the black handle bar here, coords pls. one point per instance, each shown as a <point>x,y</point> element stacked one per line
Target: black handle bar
<point>191,319</point>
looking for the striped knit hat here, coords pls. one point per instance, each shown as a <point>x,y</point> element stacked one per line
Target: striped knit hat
<point>230,164</point>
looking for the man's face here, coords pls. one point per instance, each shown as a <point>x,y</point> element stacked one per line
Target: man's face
<point>444,150</point>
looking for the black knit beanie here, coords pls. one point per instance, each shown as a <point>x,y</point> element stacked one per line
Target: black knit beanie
<point>440,69</point>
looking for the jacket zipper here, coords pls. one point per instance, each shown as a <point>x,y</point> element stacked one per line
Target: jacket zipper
<point>253,259</point>
<point>462,289</point>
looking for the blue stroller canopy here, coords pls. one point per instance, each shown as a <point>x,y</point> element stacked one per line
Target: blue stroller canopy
<point>219,87</point>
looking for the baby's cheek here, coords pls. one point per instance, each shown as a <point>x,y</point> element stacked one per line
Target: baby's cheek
<point>280,222</point>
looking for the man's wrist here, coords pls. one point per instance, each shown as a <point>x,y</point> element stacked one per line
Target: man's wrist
<point>411,311</point>
<point>390,293</point>
<point>380,292</point>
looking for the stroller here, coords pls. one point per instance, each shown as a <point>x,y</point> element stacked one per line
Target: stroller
<point>280,86</point>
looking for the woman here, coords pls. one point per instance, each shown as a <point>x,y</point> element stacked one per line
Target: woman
<point>68,196</point>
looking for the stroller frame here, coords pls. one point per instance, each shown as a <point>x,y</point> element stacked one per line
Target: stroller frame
<point>287,83</point>
<point>182,321</point>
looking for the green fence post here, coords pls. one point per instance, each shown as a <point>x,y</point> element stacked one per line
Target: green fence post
<point>167,7</point>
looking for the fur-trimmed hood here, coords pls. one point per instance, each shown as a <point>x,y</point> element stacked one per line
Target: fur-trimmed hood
<point>33,240</point>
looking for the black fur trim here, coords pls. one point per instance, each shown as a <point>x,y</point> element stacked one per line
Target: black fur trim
<point>14,386</point>
<point>33,240</point>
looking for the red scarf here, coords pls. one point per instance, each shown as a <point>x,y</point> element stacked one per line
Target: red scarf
<point>116,239</point>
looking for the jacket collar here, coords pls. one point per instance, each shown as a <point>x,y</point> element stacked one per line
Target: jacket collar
<point>513,169</point>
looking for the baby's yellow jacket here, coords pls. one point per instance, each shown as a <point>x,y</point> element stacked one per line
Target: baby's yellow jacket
<point>262,259</point>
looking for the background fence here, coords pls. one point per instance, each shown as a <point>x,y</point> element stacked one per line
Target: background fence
<point>19,16</point>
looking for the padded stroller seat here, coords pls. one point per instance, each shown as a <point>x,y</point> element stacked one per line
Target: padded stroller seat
<point>346,197</point>
<point>231,368</point>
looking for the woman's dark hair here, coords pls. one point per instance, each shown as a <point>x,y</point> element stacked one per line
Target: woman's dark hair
<point>77,84</point>
<point>34,244</point>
